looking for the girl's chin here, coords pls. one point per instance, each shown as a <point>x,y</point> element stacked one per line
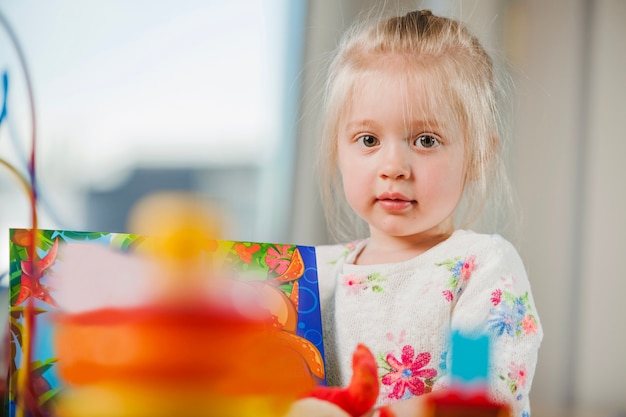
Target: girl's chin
<point>408,231</point>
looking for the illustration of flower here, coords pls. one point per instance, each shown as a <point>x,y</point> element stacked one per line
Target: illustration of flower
<point>32,271</point>
<point>461,271</point>
<point>354,284</point>
<point>278,258</point>
<point>245,252</point>
<point>408,373</point>
<point>511,315</point>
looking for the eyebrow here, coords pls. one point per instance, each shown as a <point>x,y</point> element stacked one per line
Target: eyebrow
<point>417,123</point>
<point>431,125</point>
<point>360,124</point>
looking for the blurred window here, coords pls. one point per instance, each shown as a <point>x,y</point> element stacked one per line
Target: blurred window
<point>137,96</point>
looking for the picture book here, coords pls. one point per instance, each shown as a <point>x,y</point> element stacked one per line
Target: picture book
<point>291,269</point>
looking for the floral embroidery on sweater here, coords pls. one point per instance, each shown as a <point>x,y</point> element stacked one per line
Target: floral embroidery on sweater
<point>347,248</point>
<point>461,270</point>
<point>511,315</point>
<point>443,364</point>
<point>515,378</point>
<point>355,284</point>
<point>407,376</point>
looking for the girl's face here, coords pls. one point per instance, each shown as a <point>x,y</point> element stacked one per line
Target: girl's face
<point>401,159</point>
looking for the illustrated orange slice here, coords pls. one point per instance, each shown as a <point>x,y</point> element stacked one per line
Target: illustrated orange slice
<point>294,271</point>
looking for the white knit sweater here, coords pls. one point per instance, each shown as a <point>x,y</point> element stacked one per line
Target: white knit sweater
<point>404,313</point>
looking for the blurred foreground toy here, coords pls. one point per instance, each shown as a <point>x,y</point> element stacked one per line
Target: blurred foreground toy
<point>197,346</point>
<point>188,361</point>
<point>354,400</point>
<point>467,395</point>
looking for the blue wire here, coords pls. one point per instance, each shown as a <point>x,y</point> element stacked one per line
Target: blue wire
<point>5,89</point>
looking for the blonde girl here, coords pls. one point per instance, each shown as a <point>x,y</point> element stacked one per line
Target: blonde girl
<point>411,143</point>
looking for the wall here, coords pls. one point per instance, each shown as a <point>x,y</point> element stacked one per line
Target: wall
<point>545,151</point>
<point>601,381</point>
<point>567,141</point>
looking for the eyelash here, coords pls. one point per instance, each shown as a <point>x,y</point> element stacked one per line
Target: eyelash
<point>433,138</point>
<point>364,137</point>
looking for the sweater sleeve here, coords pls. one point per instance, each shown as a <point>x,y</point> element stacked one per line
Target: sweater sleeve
<point>495,298</point>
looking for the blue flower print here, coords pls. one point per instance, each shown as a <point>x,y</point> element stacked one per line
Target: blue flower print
<point>511,315</point>
<point>443,364</point>
<point>507,318</point>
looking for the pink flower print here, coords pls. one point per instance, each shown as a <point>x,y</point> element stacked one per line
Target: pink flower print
<point>508,282</point>
<point>408,373</point>
<point>496,297</point>
<point>347,248</point>
<point>515,378</point>
<point>517,374</point>
<point>467,268</point>
<point>447,294</point>
<point>391,337</point>
<point>372,282</point>
<point>529,325</point>
<point>354,284</point>
<point>278,258</point>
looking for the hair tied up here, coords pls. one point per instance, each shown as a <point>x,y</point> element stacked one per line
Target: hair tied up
<point>419,19</point>
<point>419,15</point>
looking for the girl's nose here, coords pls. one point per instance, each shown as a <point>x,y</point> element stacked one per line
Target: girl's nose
<point>394,163</point>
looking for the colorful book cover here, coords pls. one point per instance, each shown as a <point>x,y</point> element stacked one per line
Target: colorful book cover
<point>290,268</point>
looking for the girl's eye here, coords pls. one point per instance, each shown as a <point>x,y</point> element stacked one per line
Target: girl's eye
<point>368,141</point>
<point>426,141</point>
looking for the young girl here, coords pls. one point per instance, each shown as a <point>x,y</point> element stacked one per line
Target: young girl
<point>411,135</point>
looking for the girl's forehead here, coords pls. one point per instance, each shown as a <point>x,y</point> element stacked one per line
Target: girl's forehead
<point>417,93</point>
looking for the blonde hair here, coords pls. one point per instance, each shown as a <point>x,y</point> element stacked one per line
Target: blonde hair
<point>446,57</point>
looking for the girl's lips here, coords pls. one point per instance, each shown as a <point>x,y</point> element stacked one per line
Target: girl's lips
<point>394,201</point>
<point>394,205</point>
